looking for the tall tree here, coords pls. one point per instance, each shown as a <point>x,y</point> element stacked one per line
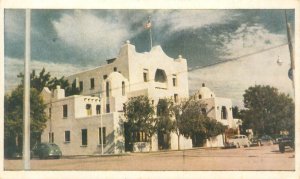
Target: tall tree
<point>236,112</point>
<point>13,119</point>
<point>268,111</point>
<point>13,114</point>
<point>139,113</point>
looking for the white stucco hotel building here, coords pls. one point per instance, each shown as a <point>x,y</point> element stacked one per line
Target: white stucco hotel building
<point>75,121</point>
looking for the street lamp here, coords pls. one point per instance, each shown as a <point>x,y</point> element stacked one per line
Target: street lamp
<point>279,61</point>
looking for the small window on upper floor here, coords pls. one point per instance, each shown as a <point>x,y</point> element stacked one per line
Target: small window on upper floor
<point>146,75</point>
<point>174,80</point>
<point>92,80</point>
<point>115,68</point>
<point>200,96</point>
<point>81,85</point>
<point>88,109</point>
<point>223,113</point>
<point>104,77</point>
<point>65,111</point>
<point>123,88</point>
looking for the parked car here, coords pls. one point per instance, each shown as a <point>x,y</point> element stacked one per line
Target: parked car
<point>286,141</point>
<point>266,140</point>
<point>277,138</point>
<point>46,150</point>
<point>239,140</point>
<point>255,141</point>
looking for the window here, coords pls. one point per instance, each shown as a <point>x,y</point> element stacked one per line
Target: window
<point>84,139</point>
<point>223,113</point>
<point>175,98</point>
<point>160,76</point>
<point>115,68</point>
<point>92,83</point>
<point>104,77</point>
<point>145,75</point>
<point>98,109</point>
<point>200,96</point>
<point>174,79</point>
<point>67,136</point>
<point>107,89</point>
<point>140,136</point>
<point>65,111</point>
<point>107,108</point>
<point>123,88</point>
<point>104,135</point>
<point>88,109</point>
<point>51,137</point>
<point>81,85</point>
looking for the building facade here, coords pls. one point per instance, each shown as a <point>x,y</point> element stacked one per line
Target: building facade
<point>216,108</point>
<point>77,122</point>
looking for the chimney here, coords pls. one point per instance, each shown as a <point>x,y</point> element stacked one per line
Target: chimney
<point>59,93</point>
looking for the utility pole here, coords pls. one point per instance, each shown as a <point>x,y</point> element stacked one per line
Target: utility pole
<point>292,69</point>
<point>26,100</point>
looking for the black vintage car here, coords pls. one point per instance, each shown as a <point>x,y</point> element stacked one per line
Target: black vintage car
<point>284,142</point>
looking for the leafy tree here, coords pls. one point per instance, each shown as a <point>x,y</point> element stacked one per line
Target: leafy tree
<point>44,79</point>
<point>196,125</point>
<point>13,119</point>
<point>236,114</point>
<point>139,113</point>
<point>13,116</point>
<point>268,111</point>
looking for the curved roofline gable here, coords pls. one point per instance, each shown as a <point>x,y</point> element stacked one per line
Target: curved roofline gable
<point>157,50</point>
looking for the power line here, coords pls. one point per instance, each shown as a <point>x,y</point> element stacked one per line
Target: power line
<point>237,58</point>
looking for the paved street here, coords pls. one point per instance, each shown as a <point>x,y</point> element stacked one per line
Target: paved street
<point>253,158</point>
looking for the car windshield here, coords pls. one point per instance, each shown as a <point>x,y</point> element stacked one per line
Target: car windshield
<point>53,146</point>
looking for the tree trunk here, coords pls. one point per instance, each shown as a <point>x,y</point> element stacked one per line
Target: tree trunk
<point>150,143</point>
<point>178,135</point>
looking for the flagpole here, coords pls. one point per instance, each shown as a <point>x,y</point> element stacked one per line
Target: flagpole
<point>150,38</point>
<point>26,107</point>
<point>149,26</point>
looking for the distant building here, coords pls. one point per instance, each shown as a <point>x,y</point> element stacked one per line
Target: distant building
<point>216,108</point>
<point>75,121</point>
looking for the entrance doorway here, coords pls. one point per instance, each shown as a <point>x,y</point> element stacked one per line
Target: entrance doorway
<point>163,141</point>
